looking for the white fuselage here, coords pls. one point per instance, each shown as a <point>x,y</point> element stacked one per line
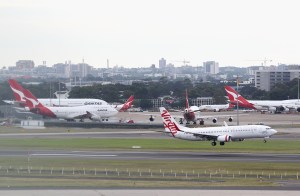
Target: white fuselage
<point>99,111</point>
<point>263,104</point>
<point>71,102</point>
<point>215,108</point>
<point>235,132</point>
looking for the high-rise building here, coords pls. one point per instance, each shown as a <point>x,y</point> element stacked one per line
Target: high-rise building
<point>211,67</point>
<point>162,63</point>
<point>25,64</point>
<point>267,79</point>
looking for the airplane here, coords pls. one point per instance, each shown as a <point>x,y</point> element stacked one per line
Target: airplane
<point>20,98</point>
<point>124,107</point>
<point>216,108</point>
<point>214,134</point>
<point>261,105</point>
<point>93,112</point>
<point>192,114</point>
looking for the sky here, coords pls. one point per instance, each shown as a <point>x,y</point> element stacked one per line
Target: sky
<point>137,33</point>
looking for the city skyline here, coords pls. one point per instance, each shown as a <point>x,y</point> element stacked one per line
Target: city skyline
<point>137,34</point>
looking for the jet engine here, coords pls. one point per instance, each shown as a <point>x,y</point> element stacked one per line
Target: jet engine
<point>224,138</point>
<point>95,118</point>
<point>283,109</point>
<point>215,120</point>
<point>151,118</point>
<point>272,109</point>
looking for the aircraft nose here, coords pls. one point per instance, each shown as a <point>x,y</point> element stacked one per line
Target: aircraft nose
<point>273,131</point>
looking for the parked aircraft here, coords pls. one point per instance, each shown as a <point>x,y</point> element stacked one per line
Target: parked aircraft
<point>270,105</point>
<point>93,112</point>
<point>126,105</point>
<point>192,114</point>
<point>215,134</point>
<point>20,99</point>
<point>216,108</point>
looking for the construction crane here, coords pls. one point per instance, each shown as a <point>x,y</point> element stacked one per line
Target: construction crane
<point>184,62</point>
<point>264,61</point>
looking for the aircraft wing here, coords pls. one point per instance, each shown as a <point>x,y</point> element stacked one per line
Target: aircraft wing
<point>79,115</point>
<point>204,136</point>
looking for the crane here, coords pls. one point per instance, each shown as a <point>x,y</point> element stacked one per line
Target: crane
<point>185,62</point>
<point>264,61</point>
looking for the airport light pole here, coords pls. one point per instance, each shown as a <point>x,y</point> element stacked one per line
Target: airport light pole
<point>298,88</point>
<point>237,101</point>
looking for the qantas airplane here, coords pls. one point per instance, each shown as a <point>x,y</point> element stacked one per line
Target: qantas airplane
<point>18,92</point>
<point>93,112</point>
<point>273,106</point>
<point>20,98</point>
<point>124,107</point>
<point>192,114</point>
<point>215,134</point>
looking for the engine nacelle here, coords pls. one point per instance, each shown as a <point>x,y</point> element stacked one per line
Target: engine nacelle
<point>283,109</point>
<point>215,120</point>
<point>272,109</point>
<point>237,140</point>
<point>95,118</point>
<point>224,138</point>
<point>230,119</point>
<point>151,118</point>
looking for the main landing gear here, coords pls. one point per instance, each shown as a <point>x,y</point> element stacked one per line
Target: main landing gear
<point>265,141</point>
<point>214,143</point>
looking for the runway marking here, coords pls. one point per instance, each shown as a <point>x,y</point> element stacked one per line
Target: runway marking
<point>75,155</point>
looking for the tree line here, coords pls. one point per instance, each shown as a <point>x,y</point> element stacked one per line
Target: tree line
<point>146,90</point>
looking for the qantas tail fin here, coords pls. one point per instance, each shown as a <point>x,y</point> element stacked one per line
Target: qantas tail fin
<point>127,104</point>
<point>171,126</point>
<point>31,100</point>
<point>186,99</point>
<point>17,90</point>
<point>234,96</point>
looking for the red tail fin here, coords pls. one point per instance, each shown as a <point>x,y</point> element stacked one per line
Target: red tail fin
<point>31,100</point>
<point>234,96</point>
<point>127,104</point>
<point>186,99</point>
<point>17,90</point>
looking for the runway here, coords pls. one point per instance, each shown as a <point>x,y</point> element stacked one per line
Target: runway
<point>288,134</point>
<point>156,155</point>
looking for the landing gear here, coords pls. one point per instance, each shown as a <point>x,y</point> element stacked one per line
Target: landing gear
<point>265,141</point>
<point>81,120</point>
<point>222,143</point>
<point>194,122</point>
<point>201,122</point>
<point>213,143</point>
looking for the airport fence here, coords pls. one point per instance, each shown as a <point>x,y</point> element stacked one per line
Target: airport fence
<point>145,173</point>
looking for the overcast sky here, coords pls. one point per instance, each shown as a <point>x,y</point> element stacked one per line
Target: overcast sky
<point>137,33</point>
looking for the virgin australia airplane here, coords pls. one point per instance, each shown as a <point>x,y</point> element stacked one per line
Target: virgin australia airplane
<point>214,134</point>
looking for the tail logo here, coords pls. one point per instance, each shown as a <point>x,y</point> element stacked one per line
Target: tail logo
<point>234,95</point>
<point>168,123</point>
<point>20,93</point>
<point>34,102</point>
